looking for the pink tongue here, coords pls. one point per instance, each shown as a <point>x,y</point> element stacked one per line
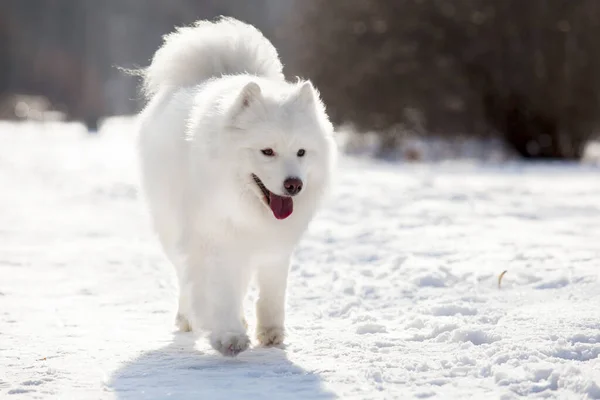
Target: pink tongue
<point>282,207</point>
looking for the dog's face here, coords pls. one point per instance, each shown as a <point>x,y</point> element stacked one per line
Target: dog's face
<point>285,146</point>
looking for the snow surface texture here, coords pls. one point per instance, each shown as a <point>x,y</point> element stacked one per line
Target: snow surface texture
<point>414,146</point>
<point>393,291</point>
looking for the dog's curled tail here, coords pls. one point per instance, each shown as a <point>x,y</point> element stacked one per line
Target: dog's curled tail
<point>193,54</point>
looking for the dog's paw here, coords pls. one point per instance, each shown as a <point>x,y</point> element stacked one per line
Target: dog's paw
<point>273,336</point>
<point>230,343</point>
<point>182,323</point>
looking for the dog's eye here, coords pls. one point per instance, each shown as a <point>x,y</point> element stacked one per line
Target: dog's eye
<point>268,152</point>
<point>301,153</point>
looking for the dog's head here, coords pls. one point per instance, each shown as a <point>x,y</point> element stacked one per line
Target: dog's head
<point>286,144</point>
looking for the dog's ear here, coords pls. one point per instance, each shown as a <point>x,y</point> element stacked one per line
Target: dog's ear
<point>306,94</point>
<point>249,96</point>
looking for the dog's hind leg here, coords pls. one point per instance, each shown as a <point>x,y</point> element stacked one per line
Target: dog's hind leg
<point>181,320</point>
<point>182,323</point>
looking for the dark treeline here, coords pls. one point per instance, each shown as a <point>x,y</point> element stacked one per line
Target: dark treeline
<point>69,50</point>
<point>523,70</point>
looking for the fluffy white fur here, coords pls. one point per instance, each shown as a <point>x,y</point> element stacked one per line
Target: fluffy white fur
<point>217,97</point>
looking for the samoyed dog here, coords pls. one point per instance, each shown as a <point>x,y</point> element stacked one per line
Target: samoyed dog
<point>235,161</point>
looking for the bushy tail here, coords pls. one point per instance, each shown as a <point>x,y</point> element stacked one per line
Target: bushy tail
<point>191,55</point>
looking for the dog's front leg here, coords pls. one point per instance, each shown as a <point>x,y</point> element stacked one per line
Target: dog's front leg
<point>270,307</point>
<point>219,281</point>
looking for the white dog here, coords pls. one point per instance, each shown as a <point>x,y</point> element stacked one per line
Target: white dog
<point>234,163</point>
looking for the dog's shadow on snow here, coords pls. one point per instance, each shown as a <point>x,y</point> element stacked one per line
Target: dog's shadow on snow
<point>179,371</point>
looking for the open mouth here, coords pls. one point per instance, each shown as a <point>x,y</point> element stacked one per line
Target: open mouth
<point>281,206</point>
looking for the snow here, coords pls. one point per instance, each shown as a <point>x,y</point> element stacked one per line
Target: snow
<point>415,146</point>
<point>393,292</point>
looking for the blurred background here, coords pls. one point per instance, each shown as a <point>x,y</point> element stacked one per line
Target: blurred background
<point>520,73</point>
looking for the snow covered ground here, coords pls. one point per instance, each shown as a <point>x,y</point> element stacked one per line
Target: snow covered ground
<point>393,293</point>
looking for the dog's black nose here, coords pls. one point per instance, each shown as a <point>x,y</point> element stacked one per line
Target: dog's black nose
<point>293,186</point>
